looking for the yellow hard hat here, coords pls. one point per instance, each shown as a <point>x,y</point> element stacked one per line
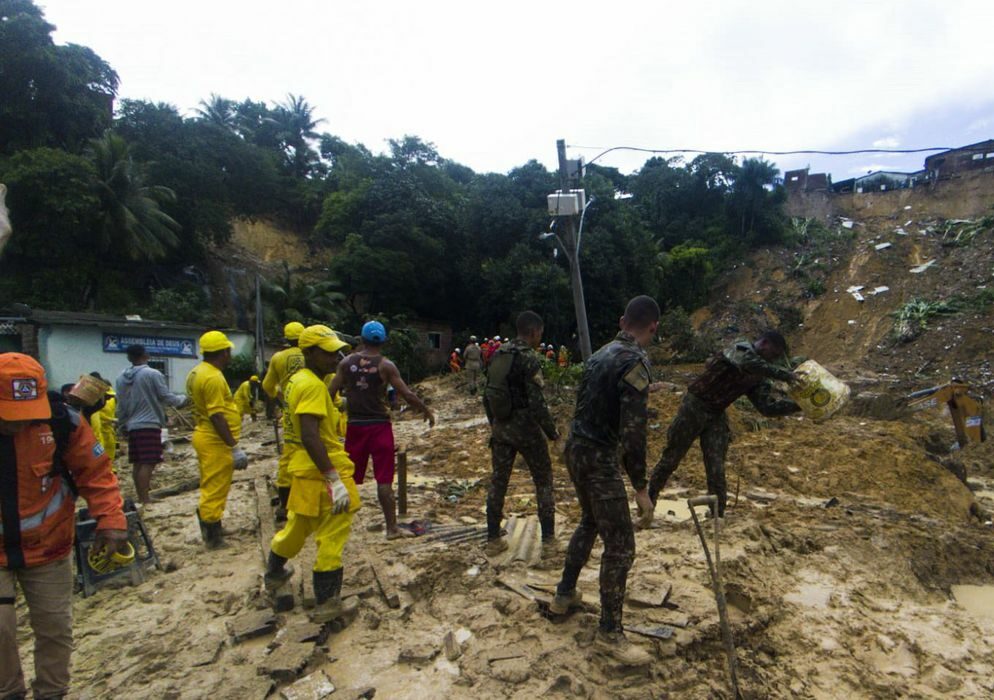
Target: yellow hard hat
<point>322,337</point>
<point>253,378</point>
<point>213,341</point>
<point>292,330</point>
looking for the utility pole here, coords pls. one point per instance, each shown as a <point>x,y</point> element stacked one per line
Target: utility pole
<point>573,255</point>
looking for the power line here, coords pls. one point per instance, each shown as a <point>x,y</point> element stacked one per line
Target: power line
<point>758,151</point>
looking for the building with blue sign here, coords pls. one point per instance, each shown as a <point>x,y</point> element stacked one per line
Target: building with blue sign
<point>71,344</point>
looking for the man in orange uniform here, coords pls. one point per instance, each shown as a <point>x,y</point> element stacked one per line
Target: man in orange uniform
<point>44,460</point>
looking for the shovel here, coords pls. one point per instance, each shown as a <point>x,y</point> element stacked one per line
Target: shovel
<point>719,594</point>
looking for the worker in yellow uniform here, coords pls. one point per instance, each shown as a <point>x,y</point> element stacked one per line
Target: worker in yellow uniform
<point>106,427</point>
<point>323,495</point>
<point>245,397</point>
<point>282,366</point>
<point>215,436</point>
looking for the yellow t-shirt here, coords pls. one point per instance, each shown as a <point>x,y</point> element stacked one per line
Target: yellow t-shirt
<point>282,366</point>
<point>210,394</point>
<point>305,393</point>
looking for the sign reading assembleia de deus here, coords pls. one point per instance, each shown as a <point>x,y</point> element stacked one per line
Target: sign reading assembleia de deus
<point>154,345</point>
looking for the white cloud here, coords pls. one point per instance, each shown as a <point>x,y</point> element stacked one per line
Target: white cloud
<point>887,142</point>
<point>496,85</point>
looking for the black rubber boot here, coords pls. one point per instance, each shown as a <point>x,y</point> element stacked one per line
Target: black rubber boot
<point>203,527</point>
<point>330,608</point>
<point>281,509</point>
<point>277,572</point>
<point>327,585</point>
<point>215,535</point>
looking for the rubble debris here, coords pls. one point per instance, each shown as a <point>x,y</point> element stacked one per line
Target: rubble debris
<point>250,625</point>
<point>921,268</point>
<point>316,686</point>
<point>882,246</point>
<point>287,661</point>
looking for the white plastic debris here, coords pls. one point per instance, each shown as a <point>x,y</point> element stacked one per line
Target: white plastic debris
<point>847,223</point>
<point>921,268</point>
<point>851,322</point>
<point>879,290</point>
<point>900,231</point>
<point>907,208</point>
<point>882,246</point>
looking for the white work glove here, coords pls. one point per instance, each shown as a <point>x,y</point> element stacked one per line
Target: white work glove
<point>241,459</point>
<point>337,492</point>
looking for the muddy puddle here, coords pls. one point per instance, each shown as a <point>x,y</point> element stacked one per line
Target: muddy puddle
<point>976,600</point>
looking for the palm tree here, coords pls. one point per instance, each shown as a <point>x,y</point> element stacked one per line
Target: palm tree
<point>130,219</point>
<point>218,110</point>
<point>294,299</point>
<point>296,124</point>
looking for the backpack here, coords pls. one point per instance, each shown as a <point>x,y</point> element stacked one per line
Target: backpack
<point>497,394</point>
<point>63,422</point>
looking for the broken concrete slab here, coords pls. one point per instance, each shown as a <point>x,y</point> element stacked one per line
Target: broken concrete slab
<point>417,656</point>
<point>654,631</point>
<point>287,662</point>
<point>645,597</point>
<point>250,625</point>
<point>390,593</point>
<point>316,686</point>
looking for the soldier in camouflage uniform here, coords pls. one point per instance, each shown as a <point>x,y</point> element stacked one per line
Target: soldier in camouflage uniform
<point>520,422</point>
<point>611,410</point>
<point>743,369</point>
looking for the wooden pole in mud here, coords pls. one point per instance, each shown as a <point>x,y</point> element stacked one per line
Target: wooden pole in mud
<point>402,482</point>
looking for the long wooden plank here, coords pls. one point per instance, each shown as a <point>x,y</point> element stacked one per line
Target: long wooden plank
<point>284,600</point>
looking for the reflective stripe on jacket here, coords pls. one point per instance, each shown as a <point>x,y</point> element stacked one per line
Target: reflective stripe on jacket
<point>37,508</point>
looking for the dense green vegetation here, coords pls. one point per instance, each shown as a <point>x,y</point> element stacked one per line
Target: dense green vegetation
<point>114,210</point>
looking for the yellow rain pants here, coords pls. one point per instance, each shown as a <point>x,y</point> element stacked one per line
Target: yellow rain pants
<point>310,512</point>
<point>216,469</point>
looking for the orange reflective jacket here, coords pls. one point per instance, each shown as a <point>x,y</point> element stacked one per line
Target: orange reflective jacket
<point>37,505</point>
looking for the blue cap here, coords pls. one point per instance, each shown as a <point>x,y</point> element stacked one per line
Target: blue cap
<point>374,332</point>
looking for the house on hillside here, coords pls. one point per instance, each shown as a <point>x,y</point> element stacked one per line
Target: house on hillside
<point>434,341</point>
<point>804,181</point>
<point>883,180</point>
<point>70,344</point>
<point>976,156</point>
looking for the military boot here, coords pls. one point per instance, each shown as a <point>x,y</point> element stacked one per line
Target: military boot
<point>277,572</point>
<point>495,546</point>
<point>617,647</point>
<point>281,510</point>
<point>561,604</point>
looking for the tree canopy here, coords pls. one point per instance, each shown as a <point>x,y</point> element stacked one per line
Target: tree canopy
<point>112,200</point>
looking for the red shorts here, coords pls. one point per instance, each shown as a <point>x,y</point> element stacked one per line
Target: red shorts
<point>373,440</point>
<point>145,446</point>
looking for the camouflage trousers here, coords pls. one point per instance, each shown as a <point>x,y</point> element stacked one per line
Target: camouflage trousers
<point>694,421</point>
<point>604,503</point>
<point>507,441</point>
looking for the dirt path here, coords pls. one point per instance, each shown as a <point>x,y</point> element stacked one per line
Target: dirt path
<point>852,600</point>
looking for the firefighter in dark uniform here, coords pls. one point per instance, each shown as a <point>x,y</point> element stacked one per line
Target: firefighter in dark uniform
<point>611,410</point>
<point>520,422</point>
<point>744,369</point>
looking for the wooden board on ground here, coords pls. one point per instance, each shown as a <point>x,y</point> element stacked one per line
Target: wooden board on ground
<point>284,600</point>
<point>176,489</point>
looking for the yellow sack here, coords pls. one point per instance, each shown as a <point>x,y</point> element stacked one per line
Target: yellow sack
<point>819,394</point>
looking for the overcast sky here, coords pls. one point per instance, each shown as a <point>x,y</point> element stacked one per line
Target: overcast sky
<point>494,84</point>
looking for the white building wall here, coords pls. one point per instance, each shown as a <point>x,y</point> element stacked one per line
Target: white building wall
<point>68,351</point>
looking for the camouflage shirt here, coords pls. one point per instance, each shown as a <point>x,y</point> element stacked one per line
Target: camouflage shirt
<point>525,382</point>
<point>740,371</point>
<point>611,404</point>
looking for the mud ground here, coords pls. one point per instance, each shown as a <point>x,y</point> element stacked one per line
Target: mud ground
<point>839,555</point>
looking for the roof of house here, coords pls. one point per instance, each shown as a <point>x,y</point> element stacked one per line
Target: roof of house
<point>83,318</point>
